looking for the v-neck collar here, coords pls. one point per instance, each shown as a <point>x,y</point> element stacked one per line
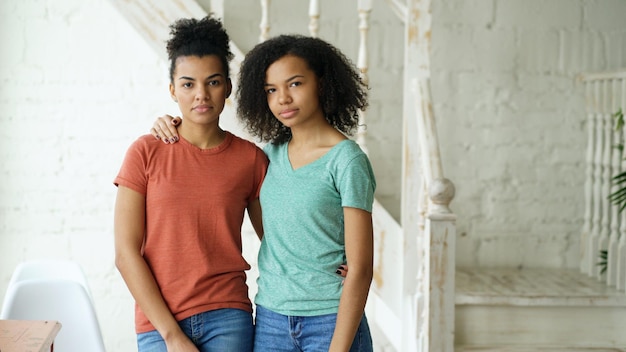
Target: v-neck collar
<point>285,156</point>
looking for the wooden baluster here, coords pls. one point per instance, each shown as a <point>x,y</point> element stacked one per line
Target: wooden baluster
<point>585,255</point>
<point>621,247</point>
<point>364,9</point>
<point>440,234</point>
<point>607,175</point>
<point>314,17</point>
<point>603,241</point>
<point>593,239</point>
<point>611,272</point>
<point>265,23</point>
<point>428,324</point>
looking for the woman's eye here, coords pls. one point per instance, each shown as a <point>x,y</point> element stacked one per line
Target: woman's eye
<point>214,83</point>
<point>270,90</point>
<point>187,85</point>
<point>295,84</point>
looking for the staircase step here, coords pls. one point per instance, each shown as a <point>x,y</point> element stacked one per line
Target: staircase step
<point>537,307</point>
<point>534,287</point>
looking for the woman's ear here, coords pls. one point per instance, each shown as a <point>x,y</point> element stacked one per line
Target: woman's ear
<point>172,93</point>
<point>229,88</point>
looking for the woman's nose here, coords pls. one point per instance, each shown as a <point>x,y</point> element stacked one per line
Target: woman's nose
<point>202,93</point>
<point>284,98</point>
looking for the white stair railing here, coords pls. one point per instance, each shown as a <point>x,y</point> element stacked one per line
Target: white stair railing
<point>428,224</point>
<point>364,9</point>
<point>604,228</point>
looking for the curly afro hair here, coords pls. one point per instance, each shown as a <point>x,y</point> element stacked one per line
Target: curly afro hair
<point>342,91</point>
<point>192,37</point>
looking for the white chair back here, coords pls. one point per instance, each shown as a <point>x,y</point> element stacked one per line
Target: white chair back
<point>50,269</point>
<point>57,291</point>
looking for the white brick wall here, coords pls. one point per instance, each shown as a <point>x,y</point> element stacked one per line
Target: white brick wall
<point>511,120</point>
<point>78,85</point>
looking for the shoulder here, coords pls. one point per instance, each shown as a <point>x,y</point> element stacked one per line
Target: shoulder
<point>146,142</point>
<point>272,149</point>
<point>349,160</point>
<point>348,150</point>
<point>242,143</point>
<point>246,146</point>
<point>148,139</point>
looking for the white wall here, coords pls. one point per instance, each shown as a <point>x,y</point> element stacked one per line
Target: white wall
<point>511,120</point>
<point>78,85</point>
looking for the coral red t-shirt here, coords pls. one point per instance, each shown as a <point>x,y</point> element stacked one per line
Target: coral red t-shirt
<point>195,205</point>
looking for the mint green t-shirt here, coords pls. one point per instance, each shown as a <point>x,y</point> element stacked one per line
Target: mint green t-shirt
<point>303,224</point>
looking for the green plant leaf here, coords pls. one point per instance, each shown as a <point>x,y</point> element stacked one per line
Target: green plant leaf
<point>604,261</point>
<point>619,119</point>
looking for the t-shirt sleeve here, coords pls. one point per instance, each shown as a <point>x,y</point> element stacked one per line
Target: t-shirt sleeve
<point>260,169</point>
<point>132,173</point>
<point>357,184</point>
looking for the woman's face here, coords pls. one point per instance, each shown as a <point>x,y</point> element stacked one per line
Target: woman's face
<point>292,90</point>
<point>200,87</point>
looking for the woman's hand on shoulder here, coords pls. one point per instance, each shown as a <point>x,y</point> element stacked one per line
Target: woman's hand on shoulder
<point>165,128</point>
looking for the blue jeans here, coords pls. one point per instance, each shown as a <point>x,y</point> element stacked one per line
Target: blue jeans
<point>222,330</point>
<point>281,333</point>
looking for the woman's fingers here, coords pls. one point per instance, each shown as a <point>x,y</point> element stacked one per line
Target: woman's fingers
<point>165,128</point>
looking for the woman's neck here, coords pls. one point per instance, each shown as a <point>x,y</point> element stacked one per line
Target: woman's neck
<point>203,137</point>
<point>315,136</point>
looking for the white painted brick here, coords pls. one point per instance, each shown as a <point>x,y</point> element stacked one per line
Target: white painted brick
<point>494,50</point>
<point>539,51</point>
<point>23,9</point>
<point>475,13</point>
<point>539,15</point>
<point>47,39</point>
<point>615,47</point>
<point>455,53</point>
<point>13,44</point>
<point>594,52</point>
<point>606,15</point>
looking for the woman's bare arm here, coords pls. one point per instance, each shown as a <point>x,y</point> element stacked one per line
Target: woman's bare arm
<point>254,213</point>
<point>129,230</point>
<point>360,256</point>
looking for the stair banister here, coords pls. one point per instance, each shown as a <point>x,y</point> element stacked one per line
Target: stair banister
<point>613,239</point>
<point>607,171</point>
<point>620,251</point>
<point>364,8</point>
<point>588,219</point>
<point>314,17</point>
<point>264,26</point>
<point>435,243</point>
<point>604,228</point>
<point>596,226</point>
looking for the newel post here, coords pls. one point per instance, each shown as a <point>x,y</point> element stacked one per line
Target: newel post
<point>440,235</point>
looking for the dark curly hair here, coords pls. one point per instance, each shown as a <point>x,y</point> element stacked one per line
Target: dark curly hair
<point>342,91</point>
<point>192,37</point>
